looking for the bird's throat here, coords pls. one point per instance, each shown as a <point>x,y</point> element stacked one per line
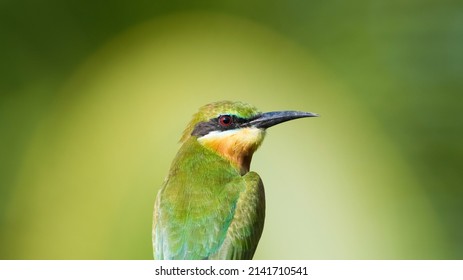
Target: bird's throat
<point>236,145</point>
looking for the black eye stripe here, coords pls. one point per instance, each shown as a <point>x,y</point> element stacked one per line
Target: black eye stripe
<point>203,128</point>
<point>240,120</point>
<point>235,119</point>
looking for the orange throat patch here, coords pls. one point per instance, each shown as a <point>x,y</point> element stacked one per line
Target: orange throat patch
<point>236,145</point>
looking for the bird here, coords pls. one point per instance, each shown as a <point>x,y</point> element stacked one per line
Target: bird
<point>211,206</point>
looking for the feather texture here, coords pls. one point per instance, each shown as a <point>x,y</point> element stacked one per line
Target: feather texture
<point>206,209</point>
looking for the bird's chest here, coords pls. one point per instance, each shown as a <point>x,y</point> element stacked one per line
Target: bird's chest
<point>201,197</point>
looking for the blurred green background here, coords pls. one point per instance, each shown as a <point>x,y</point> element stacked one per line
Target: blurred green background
<point>95,95</point>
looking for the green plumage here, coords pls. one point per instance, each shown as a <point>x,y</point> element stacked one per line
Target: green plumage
<point>206,209</point>
<point>210,205</point>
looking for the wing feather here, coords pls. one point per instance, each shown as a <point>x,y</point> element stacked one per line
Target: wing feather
<point>245,231</point>
<point>207,213</point>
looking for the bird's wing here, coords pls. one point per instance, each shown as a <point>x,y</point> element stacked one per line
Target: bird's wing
<point>191,219</point>
<point>206,213</point>
<point>245,230</point>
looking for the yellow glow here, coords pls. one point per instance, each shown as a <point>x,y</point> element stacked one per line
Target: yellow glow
<point>335,185</point>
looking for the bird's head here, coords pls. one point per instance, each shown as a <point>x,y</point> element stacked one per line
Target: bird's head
<point>235,130</point>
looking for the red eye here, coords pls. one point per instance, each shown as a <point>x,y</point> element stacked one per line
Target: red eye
<point>225,120</point>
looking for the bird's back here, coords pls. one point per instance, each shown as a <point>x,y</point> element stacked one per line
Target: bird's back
<point>197,205</point>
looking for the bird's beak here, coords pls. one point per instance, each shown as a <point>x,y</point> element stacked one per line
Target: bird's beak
<point>266,120</point>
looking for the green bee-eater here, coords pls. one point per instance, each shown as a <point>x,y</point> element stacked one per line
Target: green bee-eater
<point>210,205</point>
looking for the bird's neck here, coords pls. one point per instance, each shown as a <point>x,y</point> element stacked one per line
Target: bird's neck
<point>237,146</point>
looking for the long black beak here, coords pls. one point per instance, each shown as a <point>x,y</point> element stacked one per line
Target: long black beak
<point>266,120</point>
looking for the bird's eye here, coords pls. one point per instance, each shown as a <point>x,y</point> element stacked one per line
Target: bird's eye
<point>225,120</point>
